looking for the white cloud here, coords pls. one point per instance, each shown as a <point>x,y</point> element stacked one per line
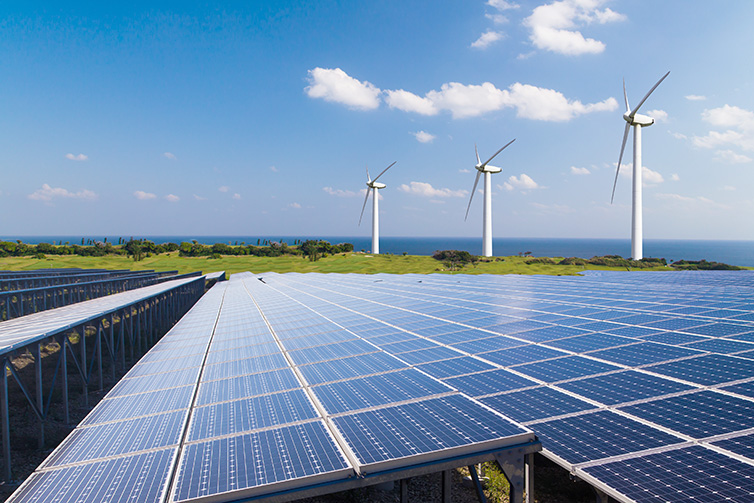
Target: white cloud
<point>409,102</point>
<point>522,183</point>
<point>579,171</point>
<point>729,187</point>
<point>675,178</point>
<point>339,192</point>
<point>554,26</point>
<point>731,157</point>
<point>237,196</point>
<point>47,194</point>
<point>497,18</point>
<point>427,190</point>
<point>502,5</point>
<point>730,116</point>
<point>658,115</point>
<point>337,86</point>
<point>469,100</point>
<point>224,188</point>
<point>464,170</point>
<point>274,169</point>
<point>295,206</point>
<point>424,137</point>
<point>678,136</point>
<point>199,198</point>
<point>170,156</point>
<point>140,194</point>
<point>739,129</point>
<point>486,39</point>
<point>172,198</point>
<point>538,103</point>
<point>695,97</point>
<point>686,199</point>
<point>649,178</point>
<point>79,157</point>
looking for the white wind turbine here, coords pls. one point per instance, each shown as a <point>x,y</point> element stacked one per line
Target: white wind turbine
<point>374,186</point>
<point>487,221</point>
<point>638,121</point>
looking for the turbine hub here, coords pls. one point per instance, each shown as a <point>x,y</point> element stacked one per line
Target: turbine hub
<point>639,120</point>
<point>376,185</point>
<point>488,169</point>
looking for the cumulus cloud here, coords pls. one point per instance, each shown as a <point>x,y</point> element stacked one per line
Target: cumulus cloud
<point>337,86</point>
<point>739,130</point>
<point>423,137</point>
<point>237,196</point>
<point>649,178</point>
<point>522,183</point>
<point>295,206</point>
<point>339,192</point>
<point>409,102</point>
<point>497,18</point>
<point>690,200</point>
<point>170,156</point>
<point>427,190</point>
<point>579,171</point>
<point>555,26</point>
<point>658,115</point>
<point>172,198</point>
<point>486,39</point>
<point>675,178</point>
<point>502,5</point>
<point>47,194</point>
<point>140,194</point>
<point>199,198</point>
<point>79,157</point>
<point>695,97</point>
<point>731,157</point>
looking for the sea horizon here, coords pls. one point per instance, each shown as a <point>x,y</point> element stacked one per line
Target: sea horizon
<point>735,252</point>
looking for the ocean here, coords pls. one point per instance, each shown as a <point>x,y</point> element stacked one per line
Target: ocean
<point>730,252</point>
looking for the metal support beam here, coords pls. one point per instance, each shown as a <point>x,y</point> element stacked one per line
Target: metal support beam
<point>404,490</point>
<point>40,396</point>
<point>7,474</point>
<point>447,481</point>
<point>600,496</point>
<point>512,464</point>
<point>529,478</point>
<point>477,484</point>
<point>64,375</point>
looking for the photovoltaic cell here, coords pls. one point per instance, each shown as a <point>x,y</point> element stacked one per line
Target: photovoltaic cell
<point>246,386</point>
<point>644,353</point>
<point>622,387</point>
<point>535,403</point>
<point>708,369</point>
<point>560,369</point>
<point>485,383</point>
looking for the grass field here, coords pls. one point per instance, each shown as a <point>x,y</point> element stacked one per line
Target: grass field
<point>341,263</point>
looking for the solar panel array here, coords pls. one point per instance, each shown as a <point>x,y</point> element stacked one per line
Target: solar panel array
<point>640,383</point>
<point>253,393</point>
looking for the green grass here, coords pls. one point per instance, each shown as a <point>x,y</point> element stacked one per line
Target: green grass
<point>342,263</point>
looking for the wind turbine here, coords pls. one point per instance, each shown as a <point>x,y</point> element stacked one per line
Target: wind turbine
<point>374,186</point>
<point>638,121</point>
<point>487,170</point>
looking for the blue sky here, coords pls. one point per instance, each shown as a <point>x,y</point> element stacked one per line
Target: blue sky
<point>259,118</point>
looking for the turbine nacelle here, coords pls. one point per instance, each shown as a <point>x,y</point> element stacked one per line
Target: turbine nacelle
<point>638,120</point>
<point>376,185</point>
<point>488,169</point>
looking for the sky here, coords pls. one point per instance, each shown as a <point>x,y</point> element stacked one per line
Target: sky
<point>260,118</point>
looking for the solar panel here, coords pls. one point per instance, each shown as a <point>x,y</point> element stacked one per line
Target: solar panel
<point>536,403</point>
<point>620,387</point>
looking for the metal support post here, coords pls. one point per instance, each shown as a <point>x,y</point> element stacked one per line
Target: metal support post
<point>529,482</point>
<point>404,490</point>
<point>112,344</point>
<point>478,484</point>
<point>99,355</point>
<point>85,376</point>
<point>447,479</point>
<point>122,343</point>
<point>6,421</point>
<point>40,397</point>
<point>64,380</point>
<point>512,464</point>
<point>138,328</point>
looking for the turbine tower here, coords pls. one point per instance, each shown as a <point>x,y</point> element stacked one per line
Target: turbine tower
<point>638,121</point>
<point>487,219</point>
<point>374,186</point>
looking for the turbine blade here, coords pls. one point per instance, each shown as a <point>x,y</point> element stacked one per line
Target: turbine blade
<point>476,181</point>
<point>383,171</point>
<point>478,160</point>
<point>633,112</point>
<point>488,160</point>
<point>625,96</point>
<point>620,158</point>
<point>368,179</point>
<point>364,207</point>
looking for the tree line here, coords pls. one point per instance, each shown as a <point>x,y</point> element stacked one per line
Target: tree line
<point>141,248</point>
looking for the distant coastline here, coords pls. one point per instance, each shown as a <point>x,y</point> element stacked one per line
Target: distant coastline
<point>730,252</point>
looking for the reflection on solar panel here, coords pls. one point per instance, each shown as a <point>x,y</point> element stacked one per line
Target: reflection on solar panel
<point>633,381</point>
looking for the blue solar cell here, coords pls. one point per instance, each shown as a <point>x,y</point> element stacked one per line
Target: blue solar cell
<point>246,386</point>
<point>488,344</point>
<point>724,346</point>
<point>561,369</point>
<point>635,331</point>
<point>159,367</point>
<point>598,435</point>
<point>536,403</point>
<point>355,366</point>
<point>143,404</point>
<point>249,414</point>
<point>642,319</point>
<point>698,415</point>
<point>428,355</point>
<point>677,324</point>
<point>552,333</point>
<point>455,367</point>
<point>377,390</point>
<point>590,342</point>
<point>244,465</point>
<point>745,389</point>
<point>141,477</point>
<point>643,353</point>
<point>518,328</point>
<point>692,474</point>
<point>743,445</point>
<point>411,345</point>
<point>462,336</point>
<point>118,438</point>
<point>720,329</point>
<point>241,352</point>
<point>236,368</point>
<point>332,351</point>
<point>439,424</point>
<point>486,383</point>
<point>708,369</point>
<point>674,338</point>
<point>155,382</point>
<point>521,354</point>
<point>622,387</point>
<point>598,326</point>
